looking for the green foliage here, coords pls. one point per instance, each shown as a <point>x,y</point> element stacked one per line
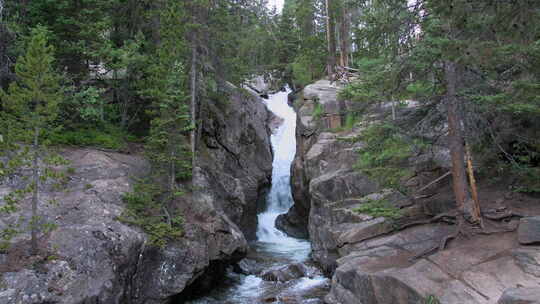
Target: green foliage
<point>31,104</point>
<point>144,208</point>
<point>374,86</point>
<point>495,47</point>
<point>318,111</point>
<point>90,105</point>
<point>108,137</point>
<point>302,71</point>
<point>378,208</point>
<point>166,86</point>
<point>527,178</point>
<point>350,120</point>
<point>386,153</point>
<point>432,300</point>
<point>77,28</point>
<point>33,99</point>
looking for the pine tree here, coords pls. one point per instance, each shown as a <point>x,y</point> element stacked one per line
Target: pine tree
<point>32,102</point>
<point>167,147</point>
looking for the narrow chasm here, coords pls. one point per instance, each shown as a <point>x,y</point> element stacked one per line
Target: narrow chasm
<point>277,267</point>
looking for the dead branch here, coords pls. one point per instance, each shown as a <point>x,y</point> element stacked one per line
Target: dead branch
<point>434,182</point>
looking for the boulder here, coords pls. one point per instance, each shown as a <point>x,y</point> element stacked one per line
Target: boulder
<point>369,260</point>
<point>529,230</point>
<point>90,256</point>
<point>520,296</point>
<point>476,270</point>
<point>236,170</point>
<point>322,91</point>
<point>286,273</point>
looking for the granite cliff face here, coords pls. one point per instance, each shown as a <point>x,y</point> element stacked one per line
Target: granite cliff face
<point>369,260</point>
<point>92,257</point>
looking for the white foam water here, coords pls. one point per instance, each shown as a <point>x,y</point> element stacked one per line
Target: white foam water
<point>270,241</point>
<point>280,199</point>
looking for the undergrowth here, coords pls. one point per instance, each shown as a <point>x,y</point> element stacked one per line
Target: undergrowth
<point>385,155</point>
<point>432,300</point>
<point>378,208</point>
<point>317,111</point>
<point>145,208</point>
<point>107,137</point>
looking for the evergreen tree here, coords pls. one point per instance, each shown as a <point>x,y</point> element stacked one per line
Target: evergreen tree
<point>467,55</point>
<point>32,103</point>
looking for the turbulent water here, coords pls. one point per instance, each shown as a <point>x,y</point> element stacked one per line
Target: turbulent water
<point>273,248</point>
<point>279,199</point>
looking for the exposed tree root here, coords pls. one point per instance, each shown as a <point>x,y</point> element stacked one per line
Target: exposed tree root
<point>439,247</point>
<point>447,217</point>
<point>464,229</point>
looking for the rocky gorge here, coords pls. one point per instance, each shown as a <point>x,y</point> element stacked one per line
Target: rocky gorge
<point>90,256</point>
<point>375,260</point>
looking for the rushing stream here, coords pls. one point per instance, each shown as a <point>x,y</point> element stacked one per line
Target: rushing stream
<point>273,248</point>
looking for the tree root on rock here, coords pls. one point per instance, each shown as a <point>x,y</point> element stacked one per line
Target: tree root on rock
<point>464,229</point>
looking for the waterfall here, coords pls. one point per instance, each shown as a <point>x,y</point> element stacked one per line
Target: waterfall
<point>273,248</point>
<point>280,199</point>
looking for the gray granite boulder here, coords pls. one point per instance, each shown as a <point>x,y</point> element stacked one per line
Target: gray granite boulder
<point>529,230</point>
<point>520,296</point>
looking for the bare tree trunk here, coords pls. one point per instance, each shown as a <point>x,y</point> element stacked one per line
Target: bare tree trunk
<point>331,38</point>
<point>35,196</point>
<point>344,29</point>
<point>472,181</point>
<point>193,105</point>
<point>464,202</point>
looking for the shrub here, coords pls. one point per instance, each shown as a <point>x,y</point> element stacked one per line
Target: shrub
<point>145,209</point>
<point>317,111</point>
<point>378,208</point>
<point>109,138</point>
<point>385,155</point>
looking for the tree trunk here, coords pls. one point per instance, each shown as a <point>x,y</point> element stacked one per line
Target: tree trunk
<point>465,203</point>
<point>472,181</point>
<point>331,38</point>
<point>193,105</point>
<point>344,29</point>
<point>35,196</point>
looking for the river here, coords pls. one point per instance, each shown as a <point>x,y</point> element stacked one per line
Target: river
<point>273,249</point>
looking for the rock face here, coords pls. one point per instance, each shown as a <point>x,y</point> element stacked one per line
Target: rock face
<point>92,257</point>
<point>529,230</point>
<point>520,296</point>
<point>236,158</point>
<point>371,262</point>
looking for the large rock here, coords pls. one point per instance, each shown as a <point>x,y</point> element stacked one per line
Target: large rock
<point>92,257</point>
<point>236,158</point>
<point>520,296</point>
<point>477,270</point>
<point>289,272</point>
<point>529,230</point>
<point>371,261</point>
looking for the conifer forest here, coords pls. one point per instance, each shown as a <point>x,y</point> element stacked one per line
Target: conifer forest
<point>269,151</point>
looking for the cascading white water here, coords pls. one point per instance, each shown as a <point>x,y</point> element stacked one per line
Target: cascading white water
<point>279,199</point>
<point>272,245</point>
